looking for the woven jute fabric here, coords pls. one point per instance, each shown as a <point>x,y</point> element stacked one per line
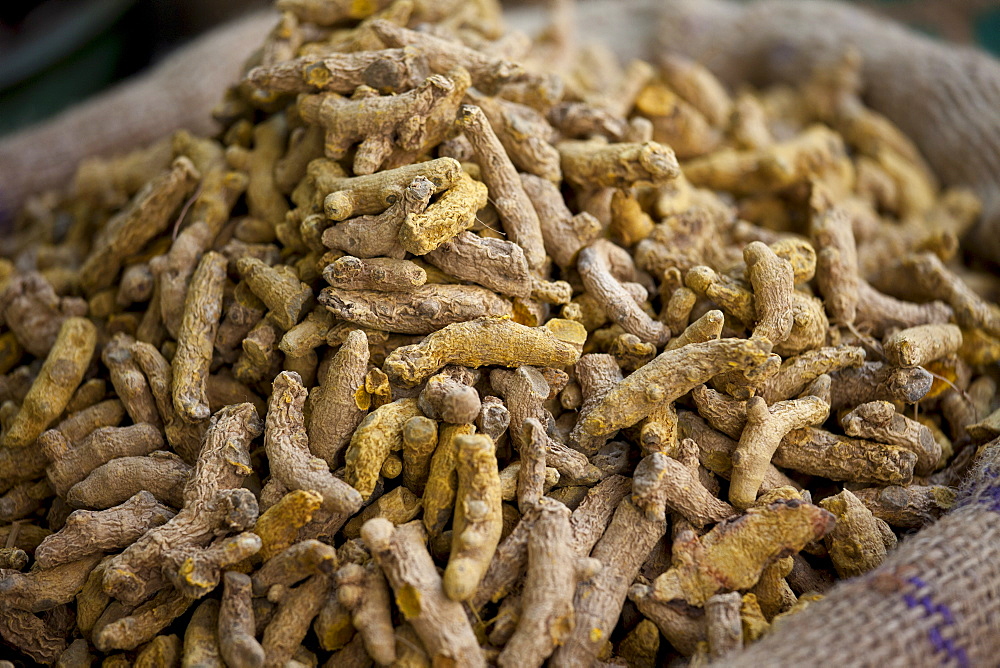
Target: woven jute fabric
<point>178,93</point>
<point>945,97</point>
<point>934,601</point>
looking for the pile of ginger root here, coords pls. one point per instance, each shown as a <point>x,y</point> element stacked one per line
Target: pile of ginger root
<point>460,348</point>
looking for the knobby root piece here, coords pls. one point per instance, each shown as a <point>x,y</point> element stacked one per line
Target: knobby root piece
<point>423,310</point>
<point>449,398</point>
<point>55,383</point>
<point>733,554</point>
<point>201,637</point>
<point>595,269</point>
<point>593,164</point>
<point>439,621</point>
<point>286,297</point>
<point>420,438</point>
<point>405,189</point>
<point>765,427</point>
<point>213,505</point>
<point>531,476</point>
<point>723,625</point>
<point>442,482</point>
<point>237,645</point>
<point>554,570</point>
<point>195,340</point>
<point>859,540</point>
<point>910,507</point>
<point>128,380</point>
<point>879,421</point>
<point>351,273</point>
<point>797,372</point>
<point>516,212</point>
<point>146,216</point>
<point>683,489</point>
<point>597,374</point>
<point>398,506</point>
<point>873,381</point>
<point>287,446</point>
<point>386,70</point>
<point>638,523</point>
<point>478,519</point>
<point>421,232</point>
<point>706,328</point>
<point>290,623</point>
<point>668,377</point>
<point>919,346</point>
<point>87,532</point>
<point>562,233</point>
<point>773,285</point>
<point>378,434</point>
<point>334,413</point>
<point>487,342</point>
<point>971,310</point>
<point>70,465</point>
<point>44,589</point>
<point>364,592</point>
<point>142,624</point>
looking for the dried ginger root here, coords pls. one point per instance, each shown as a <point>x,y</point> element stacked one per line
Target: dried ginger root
<point>500,340</point>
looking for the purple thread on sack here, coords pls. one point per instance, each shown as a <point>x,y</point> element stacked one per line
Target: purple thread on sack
<point>937,640</point>
<point>988,496</point>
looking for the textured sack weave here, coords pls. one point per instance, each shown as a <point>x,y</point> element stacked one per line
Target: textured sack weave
<point>934,601</point>
<point>945,97</point>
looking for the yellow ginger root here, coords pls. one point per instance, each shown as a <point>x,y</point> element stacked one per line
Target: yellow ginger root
<point>201,637</point>
<point>597,375</point>
<point>307,335</point>
<point>378,434</point>
<point>420,438</point>
<point>146,217</point>
<point>192,361</point>
<point>43,589</point>
<point>351,273</point>
<point>524,392</point>
<point>450,396</point>
<point>519,218</point>
<point>919,346</point>
<point>773,285</point>
<point>378,234</point>
<point>706,328</point>
<point>364,592</point>
<point>58,378</point>
<point>237,645</point>
<point>286,297</point>
<point>684,492</point>
<point>35,313</point>
<point>837,259</point>
<point>595,267</point>
<point>423,310</point>
<point>818,452</point>
<point>525,135</point>
<point>638,523</point>
<point>129,630</point>
<point>294,564</point>
<point>677,310</point>
<point>879,421</point>
<point>290,623</point>
<point>377,193</point>
<point>442,481</point>
<point>532,474</point>
<point>765,427</point>
<point>385,124</point>
<point>874,381</point>
<point>593,164</point>
<point>70,465</point>
<point>334,415</point>
<point>774,595</point>
<point>287,446</point>
<point>263,198</point>
<point>497,264</point>
<point>563,234</point>
<point>442,55</point>
<point>213,504</point>
<point>797,372</point>
<point>668,377</point>
<point>386,70</point>
<point>129,383</point>
<point>937,282</point>
<point>909,507</point>
<point>554,570</point>
<point>487,342</point>
<point>88,532</point>
<point>734,554</point>
<point>723,624</point>
<point>478,522</point>
<point>398,506</point>
<point>455,210</point>
<point>859,540</point>
<point>439,621</point>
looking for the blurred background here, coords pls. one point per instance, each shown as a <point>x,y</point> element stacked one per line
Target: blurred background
<point>57,52</point>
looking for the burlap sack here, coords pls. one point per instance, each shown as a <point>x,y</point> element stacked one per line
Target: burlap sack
<point>934,601</point>
<point>945,97</point>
